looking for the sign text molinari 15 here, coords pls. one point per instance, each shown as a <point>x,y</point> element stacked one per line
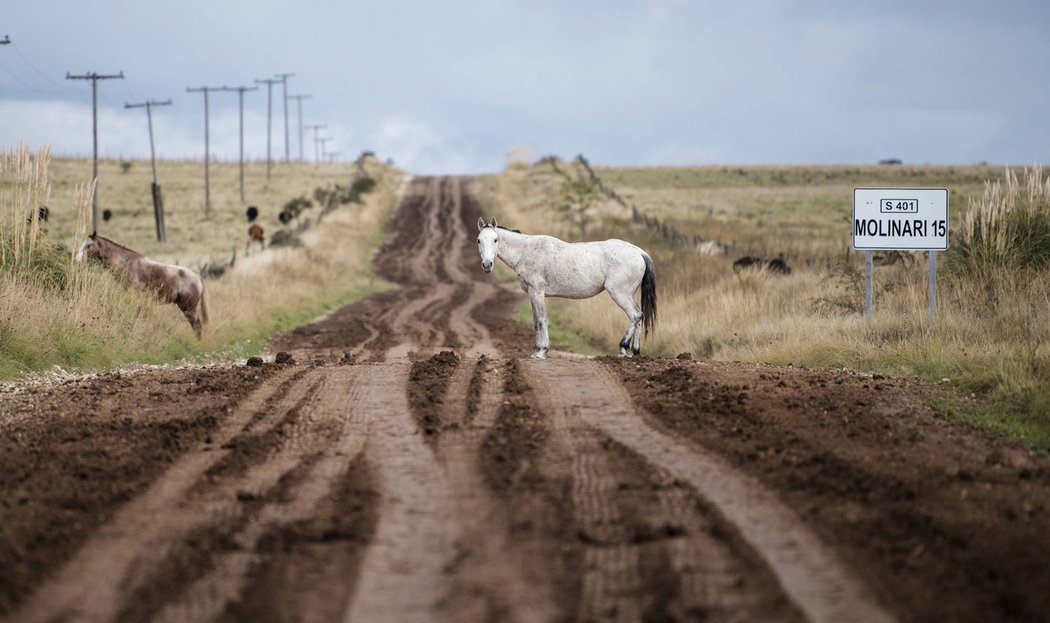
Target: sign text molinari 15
<point>902,219</point>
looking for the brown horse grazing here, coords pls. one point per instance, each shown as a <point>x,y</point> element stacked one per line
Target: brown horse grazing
<point>170,284</point>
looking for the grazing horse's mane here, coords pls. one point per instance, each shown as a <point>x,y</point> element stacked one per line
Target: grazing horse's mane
<point>117,245</point>
<point>517,231</point>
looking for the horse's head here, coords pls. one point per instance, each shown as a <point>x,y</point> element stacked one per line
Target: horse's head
<point>488,241</point>
<point>91,249</point>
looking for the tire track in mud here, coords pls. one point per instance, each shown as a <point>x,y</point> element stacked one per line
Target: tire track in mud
<point>402,576</point>
<point>209,595</point>
<point>818,583</point>
<point>647,553</point>
<point>92,583</point>
<point>483,586</point>
<point>531,484</point>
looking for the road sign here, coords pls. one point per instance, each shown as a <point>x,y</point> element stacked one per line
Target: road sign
<point>900,219</point>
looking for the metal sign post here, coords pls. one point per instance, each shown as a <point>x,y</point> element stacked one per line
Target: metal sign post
<point>931,287</point>
<point>900,219</point>
<point>869,269</point>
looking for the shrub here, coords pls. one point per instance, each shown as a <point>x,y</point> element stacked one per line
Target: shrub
<point>578,195</point>
<point>1007,228</point>
<point>294,207</point>
<point>285,238</point>
<point>362,185</point>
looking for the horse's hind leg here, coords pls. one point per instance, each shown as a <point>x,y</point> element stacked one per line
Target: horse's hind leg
<point>637,339</point>
<point>631,337</point>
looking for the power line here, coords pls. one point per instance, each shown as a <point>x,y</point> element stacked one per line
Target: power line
<point>300,99</point>
<point>94,77</point>
<point>58,88</point>
<point>7,41</point>
<point>19,80</point>
<point>42,74</point>
<point>240,97</point>
<point>269,82</point>
<point>158,202</point>
<point>284,81</point>
<point>207,180</point>
<point>315,128</point>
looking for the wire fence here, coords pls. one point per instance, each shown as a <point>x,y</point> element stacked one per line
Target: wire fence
<point>667,232</point>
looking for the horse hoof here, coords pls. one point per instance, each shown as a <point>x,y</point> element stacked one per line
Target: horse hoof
<point>539,355</point>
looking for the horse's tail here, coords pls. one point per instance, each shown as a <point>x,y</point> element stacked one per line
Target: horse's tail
<point>648,295</point>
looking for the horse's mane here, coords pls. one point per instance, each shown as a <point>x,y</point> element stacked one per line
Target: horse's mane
<point>517,231</point>
<point>118,245</point>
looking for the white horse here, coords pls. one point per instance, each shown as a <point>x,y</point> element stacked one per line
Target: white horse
<point>547,266</point>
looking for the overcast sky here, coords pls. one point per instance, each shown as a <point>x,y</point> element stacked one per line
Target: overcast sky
<point>449,87</point>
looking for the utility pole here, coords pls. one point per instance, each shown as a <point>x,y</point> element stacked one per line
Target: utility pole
<point>207,155</point>
<point>269,82</point>
<point>240,94</point>
<point>323,140</point>
<point>315,128</point>
<point>158,202</point>
<point>284,81</point>
<point>94,77</point>
<point>300,99</point>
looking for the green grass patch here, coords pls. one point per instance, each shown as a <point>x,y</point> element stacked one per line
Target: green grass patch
<point>1022,415</point>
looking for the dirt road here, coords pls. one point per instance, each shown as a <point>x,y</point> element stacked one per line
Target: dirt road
<point>410,463</point>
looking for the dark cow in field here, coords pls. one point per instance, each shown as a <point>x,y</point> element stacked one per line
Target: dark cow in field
<point>252,213</point>
<point>42,213</point>
<point>778,265</point>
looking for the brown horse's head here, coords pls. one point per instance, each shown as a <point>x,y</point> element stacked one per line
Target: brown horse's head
<point>91,249</point>
<point>96,247</point>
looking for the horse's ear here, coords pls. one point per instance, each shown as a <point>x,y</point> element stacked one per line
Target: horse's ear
<point>492,223</point>
<point>93,235</point>
<point>481,223</point>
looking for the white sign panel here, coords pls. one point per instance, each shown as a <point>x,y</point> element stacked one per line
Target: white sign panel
<point>900,219</point>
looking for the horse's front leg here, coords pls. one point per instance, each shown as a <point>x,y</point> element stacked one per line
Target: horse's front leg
<point>539,323</point>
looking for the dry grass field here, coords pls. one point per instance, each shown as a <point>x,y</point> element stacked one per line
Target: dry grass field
<point>991,336</point>
<point>55,313</point>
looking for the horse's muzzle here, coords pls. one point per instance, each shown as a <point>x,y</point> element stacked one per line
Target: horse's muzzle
<point>487,267</point>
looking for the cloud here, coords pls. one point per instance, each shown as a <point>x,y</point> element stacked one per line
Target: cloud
<point>421,148</point>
